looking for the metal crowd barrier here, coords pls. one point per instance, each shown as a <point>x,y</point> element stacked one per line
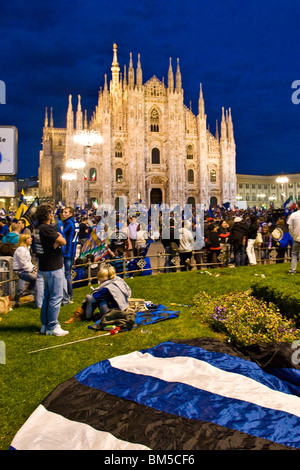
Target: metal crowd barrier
<point>8,279</point>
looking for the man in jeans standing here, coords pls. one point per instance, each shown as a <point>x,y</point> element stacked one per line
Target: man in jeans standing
<point>71,231</point>
<point>294,229</point>
<point>48,248</point>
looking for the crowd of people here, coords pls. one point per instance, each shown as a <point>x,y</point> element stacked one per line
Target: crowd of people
<point>46,248</point>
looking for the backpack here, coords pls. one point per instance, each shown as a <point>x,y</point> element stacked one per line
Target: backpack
<point>116,317</point>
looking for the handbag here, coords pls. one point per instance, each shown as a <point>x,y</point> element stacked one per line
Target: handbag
<point>259,239</point>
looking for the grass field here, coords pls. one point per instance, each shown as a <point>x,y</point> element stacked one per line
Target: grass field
<point>26,378</point>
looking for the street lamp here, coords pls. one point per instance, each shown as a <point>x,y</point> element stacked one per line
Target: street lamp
<point>69,177</point>
<point>74,164</point>
<point>282,179</point>
<point>87,139</point>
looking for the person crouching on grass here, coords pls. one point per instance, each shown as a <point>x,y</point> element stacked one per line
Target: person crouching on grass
<point>112,292</point>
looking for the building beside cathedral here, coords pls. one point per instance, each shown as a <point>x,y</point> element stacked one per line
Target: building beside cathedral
<point>154,148</point>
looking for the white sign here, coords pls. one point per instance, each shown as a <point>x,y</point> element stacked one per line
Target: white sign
<point>8,189</point>
<point>8,150</point>
<point>241,204</point>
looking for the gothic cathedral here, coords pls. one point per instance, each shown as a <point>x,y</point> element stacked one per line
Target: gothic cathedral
<point>153,149</point>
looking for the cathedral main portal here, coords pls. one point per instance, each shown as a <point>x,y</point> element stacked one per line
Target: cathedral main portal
<point>156,196</point>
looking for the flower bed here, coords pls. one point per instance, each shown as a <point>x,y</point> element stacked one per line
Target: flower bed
<point>244,318</point>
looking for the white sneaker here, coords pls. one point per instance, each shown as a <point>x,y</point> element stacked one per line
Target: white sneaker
<point>57,331</point>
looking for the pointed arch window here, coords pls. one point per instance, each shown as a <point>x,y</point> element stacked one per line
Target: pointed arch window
<point>191,176</point>
<point>155,156</point>
<point>213,176</point>
<point>93,174</point>
<point>119,175</point>
<point>189,152</point>
<point>154,120</point>
<point>118,150</point>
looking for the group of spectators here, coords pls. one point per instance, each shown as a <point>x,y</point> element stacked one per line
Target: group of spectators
<point>43,257</point>
<point>44,253</point>
<point>249,237</point>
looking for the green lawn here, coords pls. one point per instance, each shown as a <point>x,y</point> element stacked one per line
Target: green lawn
<point>27,378</point>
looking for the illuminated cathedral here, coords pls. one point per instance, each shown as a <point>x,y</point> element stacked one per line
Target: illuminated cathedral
<point>154,149</point>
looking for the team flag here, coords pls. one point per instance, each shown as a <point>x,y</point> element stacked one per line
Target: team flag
<point>289,205</point>
<point>22,206</point>
<point>29,214</point>
<point>94,246</point>
<point>198,394</point>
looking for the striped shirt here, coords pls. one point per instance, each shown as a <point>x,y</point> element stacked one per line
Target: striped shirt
<point>71,230</point>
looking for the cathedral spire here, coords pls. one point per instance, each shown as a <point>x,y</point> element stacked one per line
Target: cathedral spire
<point>130,73</point>
<point>79,115</point>
<point>139,74</point>
<point>51,117</point>
<point>125,79</point>
<point>223,127</point>
<point>217,130</point>
<point>230,126</point>
<point>115,69</point>
<point>46,118</point>
<point>70,115</point>
<point>170,77</point>
<point>201,102</point>
<point>178,78</point>
<point>105,94</point>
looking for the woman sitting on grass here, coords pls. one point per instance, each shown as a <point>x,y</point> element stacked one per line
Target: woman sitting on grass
<point>112,292</point>
<point>22,263</point>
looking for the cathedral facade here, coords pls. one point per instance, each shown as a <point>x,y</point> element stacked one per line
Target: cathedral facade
<point>153,149</point>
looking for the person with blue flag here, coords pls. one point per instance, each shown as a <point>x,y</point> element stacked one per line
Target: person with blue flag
<point>71,231</point>
<point>4,228</point>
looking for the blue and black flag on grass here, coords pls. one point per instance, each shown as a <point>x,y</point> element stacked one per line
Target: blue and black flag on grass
<point>200,394</point>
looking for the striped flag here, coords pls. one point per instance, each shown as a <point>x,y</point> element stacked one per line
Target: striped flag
<point>198,394</point>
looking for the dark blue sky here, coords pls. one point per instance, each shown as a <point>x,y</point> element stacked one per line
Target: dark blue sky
<point>244,53</point>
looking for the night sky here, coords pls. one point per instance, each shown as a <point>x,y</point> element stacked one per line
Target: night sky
<point>245,54</point>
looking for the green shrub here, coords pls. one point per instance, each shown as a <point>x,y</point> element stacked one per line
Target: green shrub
<point>283,293</point>
<point>244,318</point>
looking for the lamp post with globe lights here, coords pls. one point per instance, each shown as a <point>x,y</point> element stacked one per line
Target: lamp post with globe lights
<point>68,176</point>
<point>73,164</point>
<point>282,180</point>
<point>88,138</point>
